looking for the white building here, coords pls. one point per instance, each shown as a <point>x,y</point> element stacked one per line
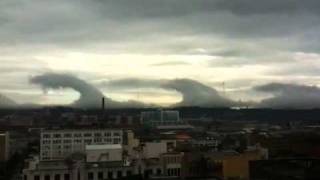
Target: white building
<point>58,144</point>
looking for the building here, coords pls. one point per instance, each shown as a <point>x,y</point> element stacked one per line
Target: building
<point>160,117</point>
<point>76,168</point>
<point>58,144</point>
<point>208,142</point>
<point>237,166</point>
<point>4,146</point>
<point>91,155</point>
<point>293,168</point>
<point>164,120</point>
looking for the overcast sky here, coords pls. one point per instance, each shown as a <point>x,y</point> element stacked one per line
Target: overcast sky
<point>124,47</point>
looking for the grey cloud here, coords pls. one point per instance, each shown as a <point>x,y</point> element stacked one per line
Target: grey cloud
<point>6,102</point>
<point>90,96</point>
<point>132,83</point>
<point>269,6</point>
<point>171,63</point>
<point>290,96</point>
<point>193,93</point>
<point>197,94</point>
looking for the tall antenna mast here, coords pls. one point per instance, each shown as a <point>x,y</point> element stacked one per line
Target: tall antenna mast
<point>223,88</point>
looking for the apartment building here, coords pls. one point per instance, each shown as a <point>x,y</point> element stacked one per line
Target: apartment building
<point>58,144</point>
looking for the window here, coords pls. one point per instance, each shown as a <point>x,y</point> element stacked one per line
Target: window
<point>108,140</point>
<point>129,173</point>
<point>57,177</point>
<point>116,134</point>
<point>57,135</point>
<point>77,141</point>
<point>66,176</point>
<point>116,141</point>
<point>67,147</point>
<point>46,136</point>
<point>36,177</point>
<point>110,175</point>
<point>100,175</point>
<point>119,174</point>
<point>107,134</point>
<point>90,176</point>
<point>25,177</point>
<point>158,171</point>
<point>46,142</point>
<point>98,140</point>
<point>97,134</point>
<point>47,177</point>
<point>68,135</point>
<point>67,141</point>
<point>87,135</point>
<point>77,135</point>
<point>56,141</point>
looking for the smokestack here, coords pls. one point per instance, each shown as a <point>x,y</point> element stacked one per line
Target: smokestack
<point>103,104</point>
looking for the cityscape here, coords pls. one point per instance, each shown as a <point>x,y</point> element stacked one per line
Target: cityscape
<point>159,90</point>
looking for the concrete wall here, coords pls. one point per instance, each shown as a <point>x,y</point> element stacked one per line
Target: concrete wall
<point>103,155</point>
<point>154,149</point>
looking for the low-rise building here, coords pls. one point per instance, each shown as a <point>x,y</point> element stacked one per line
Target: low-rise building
<point>237,166</point>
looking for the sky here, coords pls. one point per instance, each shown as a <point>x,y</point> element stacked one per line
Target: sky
<point>128,49</point>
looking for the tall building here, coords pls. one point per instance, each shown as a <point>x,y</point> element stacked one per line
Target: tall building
<point>58,144</point>
<point>4,146</point>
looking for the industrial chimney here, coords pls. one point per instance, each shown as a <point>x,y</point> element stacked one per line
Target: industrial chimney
<point>103,104</point>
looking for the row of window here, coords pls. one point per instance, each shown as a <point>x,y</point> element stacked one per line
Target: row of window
<point>91,176</point>
<point>48,177</point>
<point>110,175</point>
<point>87,141</point>
<point>69,135</point>
<point>172,159</point>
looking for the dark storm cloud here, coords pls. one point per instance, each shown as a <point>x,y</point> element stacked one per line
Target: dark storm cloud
<point>290,96</point>
<point>79,22</point>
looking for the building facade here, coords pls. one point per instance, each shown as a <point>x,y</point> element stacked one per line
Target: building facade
<point>58,144</point>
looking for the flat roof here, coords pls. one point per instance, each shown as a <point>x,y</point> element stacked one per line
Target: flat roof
<point>103,146</point>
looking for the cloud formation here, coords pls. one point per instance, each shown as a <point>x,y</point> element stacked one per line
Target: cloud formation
<point>197,94</point>
<point>231,40</point>
<point>6,102</point>
<point>89,95</point>
<point>290,96</point>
